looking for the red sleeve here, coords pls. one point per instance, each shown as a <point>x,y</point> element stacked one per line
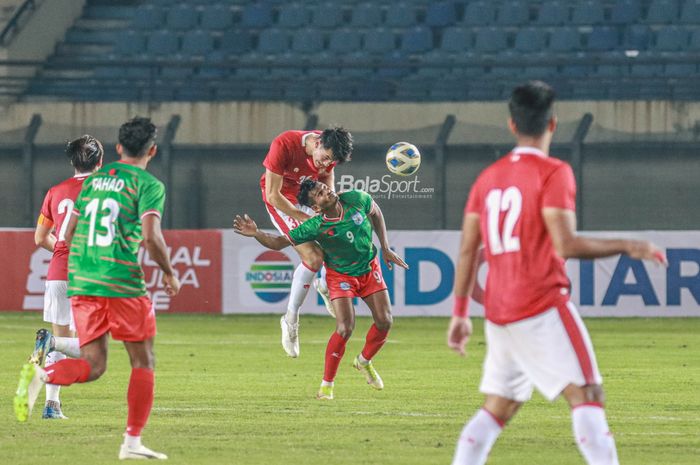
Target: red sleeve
<point>474,202</point>
<point>46,207</point>
<point>276,159</point>
<point>559,189</point>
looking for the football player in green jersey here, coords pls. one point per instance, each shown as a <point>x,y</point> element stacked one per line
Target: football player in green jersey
<point>118,208</point>
<point>343,228</point>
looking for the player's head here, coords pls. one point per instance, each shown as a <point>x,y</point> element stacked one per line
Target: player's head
<point>531,112</point>
<point>316,195</point>
<point>333,146</point>
<point>137,138</point>
<point>85,154</point>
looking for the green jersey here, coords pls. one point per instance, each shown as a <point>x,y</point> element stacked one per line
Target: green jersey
<point>346,241</point>
<point>103,257</point>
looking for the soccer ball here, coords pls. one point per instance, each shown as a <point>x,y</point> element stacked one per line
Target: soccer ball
<point>403,159</point>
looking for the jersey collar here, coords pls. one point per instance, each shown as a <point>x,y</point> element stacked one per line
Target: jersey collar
<point>340,217</point>
<point>524,150</point>
<point>303,138</point>
<point>81,175</point>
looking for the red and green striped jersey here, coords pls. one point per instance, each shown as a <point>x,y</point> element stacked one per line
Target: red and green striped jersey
<point>103,257</point>
<point>346,241</point>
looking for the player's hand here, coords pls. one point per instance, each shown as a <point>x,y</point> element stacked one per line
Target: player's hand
<point>645,250</point>
<point>171,283</point>
<point>458,334</point>
<point>389,257</point>
<point>245,225</point>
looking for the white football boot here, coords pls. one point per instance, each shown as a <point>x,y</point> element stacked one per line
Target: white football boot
<point>290,337</point>
<point>139,452</point>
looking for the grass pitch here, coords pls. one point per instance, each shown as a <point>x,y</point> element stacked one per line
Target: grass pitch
<point>227,394</point>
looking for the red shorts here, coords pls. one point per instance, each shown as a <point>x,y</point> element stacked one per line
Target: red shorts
<point>342,285</point>
<point>130,319</point>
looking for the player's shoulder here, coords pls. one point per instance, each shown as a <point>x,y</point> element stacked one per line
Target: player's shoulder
<point>354,195</point>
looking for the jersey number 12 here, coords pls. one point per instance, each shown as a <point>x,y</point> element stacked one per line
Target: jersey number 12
<point>511,202</point>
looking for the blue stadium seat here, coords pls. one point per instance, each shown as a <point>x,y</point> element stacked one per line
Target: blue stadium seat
<point>320,65</point>
<point>257,15</point>
<point>577,70</point>
<point>148,17</point>
<point>532,39</point>
<point>327,15</point>
<point>454,89</point>
<point>366,15</point>
<point>513,13</point>
<point>356,65</point>
<point>694,44</point>
<point>564,39</point>
<point>690,13</point>
<point>300,91</point>
<point>603,38</point>
<point>662,11</point>
<point>378,41</point>
<point>336,89</point>
<point>637,37</point>
<point>456,40</point>
<point>502,70</point>
<point>252,66</point>
<point>131,43</point>
<point>374,91</point>
<point>162,43</point>
<point>646,69</point>
<point>273,41</point>
<point>176,72</point>
<point>181,17</point>
<point>417,40</point>
<point>480,13</point>
<point>345,41</point>
<point>400,15</point>
<point>489,40</point>
<point>197,43</point>
<point>553,13</point>
<point>216,17</point>
<point>213,68</point>
<point>588,12</point>
<point>611,70</point>
<point>540,71</point>
<point>625,12</point>
<point>441,14</point>
<point>287,66</point>
<point>393,65</point>
<point>680,70</point>
<point>307,41</point>
<point>671,39</point>
<point>235,42</point>
<point>293,15</point>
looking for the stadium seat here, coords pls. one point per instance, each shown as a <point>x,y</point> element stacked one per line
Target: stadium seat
<point>293,15</point>
<point>611,70</point>
<point>456,40</point>
<point>214,65</point>
<point>306,41</point>
<point>216,17</point>
<point>417,40</point>
<point>441,14</point>
<point>603,38</point>
<point>553,14</point>
<point>694,44</point>
<point>131,43</point>
<point>162,43</point>
<point>638,37</point>
<point>176,72</point>
<point>287,66</point>
<point>530,40</point>
<point>588,12</point>
<point>257,15</point>
<point>394,65</point>
<point>374,91</point>
<point>502,68</point>
<point>564,39</point>
<point>197,43</point>
<point>513,13</point>
<point>273,41</point>
<point>148,17</point>
<point>356,65</point>
<point>181,17</point>
<point>625,12</point>
<point>252,66</point>
<point>671,39</point>
<point>300,91</point>
<point>378,41</point>
<point>327,15</point>
<point>344,41</point>
<point>490,40</point>
<point>235,42</point>
<point>366,15</point>
<point>646,69</point>
<point>321,65</point>
<point>662,11</point>
<point>400,15</point>
<point>690,13</point>
<point>479,13</point>
<point>680,70</point>
<point>577,70</point>
<point>453,89</point>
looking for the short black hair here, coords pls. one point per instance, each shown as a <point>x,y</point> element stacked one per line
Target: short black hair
<point>303,196</point>
<point>339,140</point>
<point>85,153</point>
<point>137,136</point>
<point>530,107</point>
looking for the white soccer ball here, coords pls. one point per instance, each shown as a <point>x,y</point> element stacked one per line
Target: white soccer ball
<point>403,158</point>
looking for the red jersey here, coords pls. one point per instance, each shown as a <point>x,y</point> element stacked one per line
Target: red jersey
<point>287,157</point>
<point>56,211</point>
<point>526,276</point>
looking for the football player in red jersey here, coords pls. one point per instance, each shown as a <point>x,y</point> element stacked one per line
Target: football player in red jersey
<point>293,157</point>
<point>85,155</point>
<point>522,208</point>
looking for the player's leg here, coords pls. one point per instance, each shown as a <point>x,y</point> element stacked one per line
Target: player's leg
<point>322,288</point>
<point>52,407</point>
<point>379,305</point>
<point>590,426</point>
<point>344,326</point>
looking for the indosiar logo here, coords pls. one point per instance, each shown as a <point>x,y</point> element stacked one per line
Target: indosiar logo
<point>270,276</point>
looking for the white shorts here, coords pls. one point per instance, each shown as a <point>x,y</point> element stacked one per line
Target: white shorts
<point>57,304</point>
<point>548,351</point>
<point>283,222</point>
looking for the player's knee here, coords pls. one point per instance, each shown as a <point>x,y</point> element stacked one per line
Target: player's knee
<point>97,369</point>
<point>594,393</point>
<point>344,330</point>
<point>384,322</point>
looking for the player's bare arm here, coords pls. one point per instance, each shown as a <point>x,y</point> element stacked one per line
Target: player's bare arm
<point>460,328</point>
<point>44,237</point>
<point>561,224</point>
<point>245,226</point>
<point>154,242</point>
<point>273,193</point>
<point>70,230</point>
<point>379,226</point>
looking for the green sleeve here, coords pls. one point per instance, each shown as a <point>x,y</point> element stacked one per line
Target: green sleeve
<point>151,197</point>
<point>305,232</point>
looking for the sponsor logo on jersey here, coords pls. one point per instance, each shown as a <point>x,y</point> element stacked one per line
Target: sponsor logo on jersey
<point>357,218</point>
<point>270,276</point>
<point>345,286</point>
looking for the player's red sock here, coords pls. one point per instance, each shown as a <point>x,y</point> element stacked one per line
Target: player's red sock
<point>374,341</point>
<point>140,399</point>
<point>334,354</point>
<point>68,371</point>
